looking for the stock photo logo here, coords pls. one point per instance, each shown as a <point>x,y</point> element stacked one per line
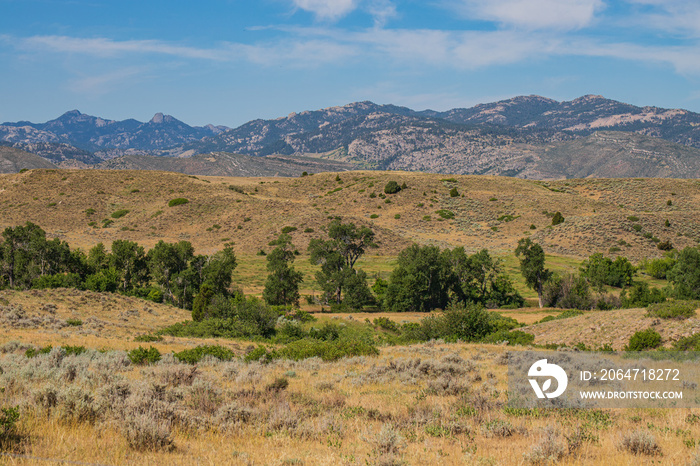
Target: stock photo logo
<point>542,369</point>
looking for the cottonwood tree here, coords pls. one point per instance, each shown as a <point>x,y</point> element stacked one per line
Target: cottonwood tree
<point>337,257</point>
<point>282,284</point>
<point>532,265</point>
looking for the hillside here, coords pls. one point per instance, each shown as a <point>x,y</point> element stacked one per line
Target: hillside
<point>13,160</point>
<point>615,328</point>
<point>623,216</point>
<point>225,164</point>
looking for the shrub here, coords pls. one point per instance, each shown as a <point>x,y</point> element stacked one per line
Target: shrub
<point>569,292</point>
<point>658,268</point>
<point>640,295</point>
<point>148,338</point>
<point>454,192</point>
<point>143,431</point>
<point>673,309</point>
<point>141,355</point>
<point>466,321</point>
<point>58,280</point>
<point>690,343</point>
<point>73,350</point>
<point>288,229</point>
<point>74,322</point>
<point>664,246</point>
<point>446,214</point>
<point>32,352</point>
<point>194,355</point>
<point>327,350</point>
<point>643,340</point>
<point>277,385</point>
<point>386,324</point>
<point>397,216</point>
<point>392,187</point>
<point>633,218</point>
<point>8,426</point>
<point>549,450</point>
<point>637,227</point>
<point>374,216</point>
<point>177,201</point>
<point>120,213</point>
<point>558,218</point>
<point>640,442</point>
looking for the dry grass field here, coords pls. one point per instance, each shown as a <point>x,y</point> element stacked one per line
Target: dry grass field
<point>627,215</point>
<point>431,403</point>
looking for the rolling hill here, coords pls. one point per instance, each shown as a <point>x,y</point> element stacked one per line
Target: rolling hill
<point>13,160</point>
<point>615,216</point>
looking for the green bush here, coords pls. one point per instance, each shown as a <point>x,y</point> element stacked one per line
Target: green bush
<point>8,426</point>
<point>691,343</point>
<point>454,192</point>
<point>140,356</point>
<point>32,352</point>
<point>327,350</point>
<point>74,350</point>
<point>643,340</point>
<point>194,355</point>
<point>640,295</point>
<point>58,280</point>
<point>74,322</point>
<point>386,324</point>
<point>148,338</point>
<point>673,309</point>
<point>557,219</point>
<point>288,229</point>
<point>446,214</point>
<point>392,187</point>
<point>177,201</point>
<point>120,213</point>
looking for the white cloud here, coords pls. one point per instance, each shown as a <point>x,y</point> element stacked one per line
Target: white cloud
<point>677,17</point>
<point>102,47</point>
<point>533,14</point>
<point>327,9</point>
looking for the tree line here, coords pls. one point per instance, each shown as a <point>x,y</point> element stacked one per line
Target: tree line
<point>425,277</point>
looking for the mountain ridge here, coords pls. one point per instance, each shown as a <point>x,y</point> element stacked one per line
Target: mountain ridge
<point>513,137</point>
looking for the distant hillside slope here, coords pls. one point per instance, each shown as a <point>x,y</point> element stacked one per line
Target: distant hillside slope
<point>614,216</point>
<point>13,160</point>
<point>225,164</point>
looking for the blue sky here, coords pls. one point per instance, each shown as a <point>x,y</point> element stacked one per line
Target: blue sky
<point>231,61</point>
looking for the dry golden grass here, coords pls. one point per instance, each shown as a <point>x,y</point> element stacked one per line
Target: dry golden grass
<point>596,328</point>
<point>342,413</point>
<point>596,211</point>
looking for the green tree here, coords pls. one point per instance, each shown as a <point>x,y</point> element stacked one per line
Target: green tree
<point>282,284</point>
<point>532,265</point>
<point>421,281</point>
<point>129,259</point>
<point>166,261</point>
<point>337,256</point>
<point>217,270</point>
<point>479,278</point>
<point>685,275</point>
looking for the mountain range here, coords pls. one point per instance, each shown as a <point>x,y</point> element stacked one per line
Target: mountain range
<point>526,136</point>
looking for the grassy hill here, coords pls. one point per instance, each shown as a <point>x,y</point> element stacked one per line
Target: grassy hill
<point>13,160</point>
<point>620,216</point>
